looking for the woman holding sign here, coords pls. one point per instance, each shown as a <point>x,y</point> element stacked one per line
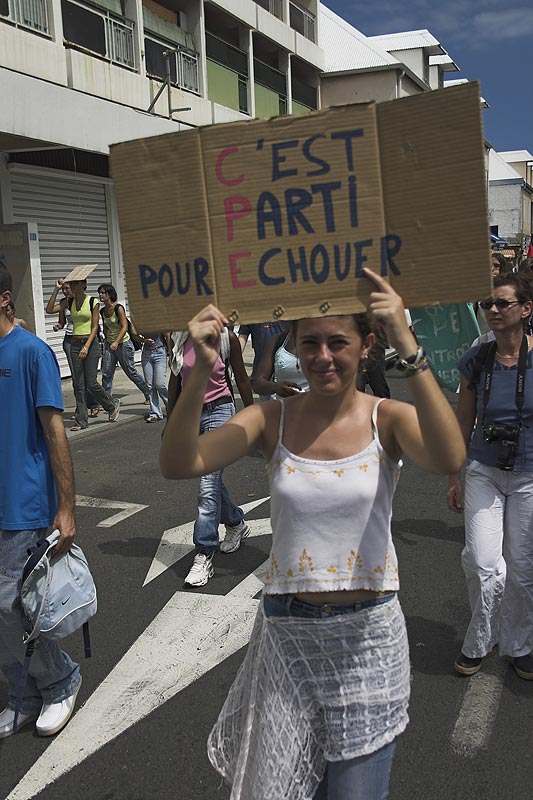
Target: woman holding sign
<point>323,691</point>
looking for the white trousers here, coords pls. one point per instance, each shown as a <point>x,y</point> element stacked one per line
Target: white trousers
<point>498,560</point>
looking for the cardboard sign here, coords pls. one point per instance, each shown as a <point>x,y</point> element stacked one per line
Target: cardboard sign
<point>276,219</point>
<point>80,273</point>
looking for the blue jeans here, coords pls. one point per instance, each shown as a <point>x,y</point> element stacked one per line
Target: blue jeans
<point>125,356</point>
<point>362,778</point>
<point>154,364</point>
<point>215,506</point>
<point>53,676</point>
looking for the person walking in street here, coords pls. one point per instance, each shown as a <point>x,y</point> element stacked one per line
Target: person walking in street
<point>65,321</point>
<point>156,347</point>
<point>215,505</point>
<point>85,353</point>
<point>10,309</point>
<point>495,413</point>
<point>278,372</point>
<point>36,491</point>
<point>118,347</point>
<point>261,333</point>
<point>323,691</point>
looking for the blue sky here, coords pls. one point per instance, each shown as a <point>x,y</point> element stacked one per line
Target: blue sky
<point>490,41</point>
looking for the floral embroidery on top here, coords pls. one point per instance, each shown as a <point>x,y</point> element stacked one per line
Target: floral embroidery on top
<point>305,562</point>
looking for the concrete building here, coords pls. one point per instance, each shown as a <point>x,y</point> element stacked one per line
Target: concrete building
<point>511,196</point>
<point>77,76</point>
<point>360,68</point>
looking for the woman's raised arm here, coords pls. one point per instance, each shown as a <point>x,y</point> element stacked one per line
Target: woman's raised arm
<point>186,454</point>
<point>428,433</point>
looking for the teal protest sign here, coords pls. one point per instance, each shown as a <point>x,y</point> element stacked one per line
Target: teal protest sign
<point>446,332</point>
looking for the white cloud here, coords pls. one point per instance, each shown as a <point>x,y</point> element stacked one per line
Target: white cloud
<point>474,21</point>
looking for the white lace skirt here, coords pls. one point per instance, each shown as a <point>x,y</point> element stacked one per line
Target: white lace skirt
<point>311,691</point>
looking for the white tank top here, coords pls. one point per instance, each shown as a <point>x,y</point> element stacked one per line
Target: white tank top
<point>331,520</point>
<point>286,368</point>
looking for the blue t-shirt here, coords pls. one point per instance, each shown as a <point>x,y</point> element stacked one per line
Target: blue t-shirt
<point>260,332</point>
<point>29,379</point>
<point>501,408</point>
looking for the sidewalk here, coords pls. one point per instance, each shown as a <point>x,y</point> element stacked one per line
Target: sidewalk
<point>131,401</point>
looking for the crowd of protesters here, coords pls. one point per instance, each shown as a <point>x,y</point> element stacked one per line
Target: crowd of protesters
<point>329,725</point>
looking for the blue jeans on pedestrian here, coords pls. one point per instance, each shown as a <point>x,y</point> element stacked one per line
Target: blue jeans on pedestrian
<point>362,778</point>
<point>53,676</point>
<point>125,356</point>
<point>215,506</point>
<point>154,364</point>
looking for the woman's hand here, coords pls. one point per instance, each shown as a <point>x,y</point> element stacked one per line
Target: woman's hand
<point>455,493</point>
<point>113,346</point>
<point>59,283</point>
<point>83,353</point>
<point>388,312</point>
<point>204,331</point>
<point>287,389</point>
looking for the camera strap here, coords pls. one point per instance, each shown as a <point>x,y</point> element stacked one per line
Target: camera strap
<point>520,377</point>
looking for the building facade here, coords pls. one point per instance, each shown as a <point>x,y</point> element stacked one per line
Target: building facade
<point>77,76</point>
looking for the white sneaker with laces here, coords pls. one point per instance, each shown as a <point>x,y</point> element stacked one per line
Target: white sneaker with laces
<point>7,718</point>
<point>202,569</point>
<point>234,536</point>
<point>54,716</point>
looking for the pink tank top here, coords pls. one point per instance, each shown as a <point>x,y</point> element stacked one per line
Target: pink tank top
<point>217,385</point>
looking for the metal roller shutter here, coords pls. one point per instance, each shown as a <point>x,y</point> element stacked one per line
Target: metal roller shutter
<point>73,229</point>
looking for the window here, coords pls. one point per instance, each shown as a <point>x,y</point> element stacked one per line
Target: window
<point>302,21</point>
<point>99,32</point>
<point>183,63</point>
<point>26,13</point>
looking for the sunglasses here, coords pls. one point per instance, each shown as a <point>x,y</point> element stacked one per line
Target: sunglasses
<point>501,303</point>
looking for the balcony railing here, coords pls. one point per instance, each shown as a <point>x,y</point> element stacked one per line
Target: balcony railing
<point>275,7</point>
<point>99,32</point>
<point>302,21</point>
<point>119,38</point>
<point>28,13</point>
<point>183,63</point>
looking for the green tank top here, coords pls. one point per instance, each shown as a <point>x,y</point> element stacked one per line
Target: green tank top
<point>82,319</point>
<point>112,327</point>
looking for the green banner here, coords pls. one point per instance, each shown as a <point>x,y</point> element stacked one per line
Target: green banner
<point>446,332</point>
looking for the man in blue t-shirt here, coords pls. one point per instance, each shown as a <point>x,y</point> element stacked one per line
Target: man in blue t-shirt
<point>260,332</point>
<point>36,491</point>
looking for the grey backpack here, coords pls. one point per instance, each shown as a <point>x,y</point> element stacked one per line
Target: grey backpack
<point>58,596</point>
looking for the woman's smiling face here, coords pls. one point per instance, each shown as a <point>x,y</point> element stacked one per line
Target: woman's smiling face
<point>329,350</point>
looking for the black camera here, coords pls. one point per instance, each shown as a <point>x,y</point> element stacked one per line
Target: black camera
<point>506,437</point>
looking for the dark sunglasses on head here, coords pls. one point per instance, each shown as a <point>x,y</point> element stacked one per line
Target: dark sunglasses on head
<point>500,303</point>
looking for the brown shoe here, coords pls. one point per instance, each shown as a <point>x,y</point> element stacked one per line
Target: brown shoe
<point>523,666</point>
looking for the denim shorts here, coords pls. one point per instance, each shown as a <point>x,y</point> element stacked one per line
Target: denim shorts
<point>289,605</point>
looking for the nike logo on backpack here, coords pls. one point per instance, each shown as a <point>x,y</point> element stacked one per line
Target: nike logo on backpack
<point>65,601</point>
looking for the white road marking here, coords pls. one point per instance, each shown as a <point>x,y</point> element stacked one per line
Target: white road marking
<point>177,542</point>
<point>127,509</point>
<point>192,634</point>
<point>478,712</point>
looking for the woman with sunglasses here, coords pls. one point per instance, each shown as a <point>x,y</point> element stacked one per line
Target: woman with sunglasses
<point>322,694</point>
<point>495,413</point>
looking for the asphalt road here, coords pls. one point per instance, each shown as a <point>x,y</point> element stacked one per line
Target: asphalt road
<point>164,657</point>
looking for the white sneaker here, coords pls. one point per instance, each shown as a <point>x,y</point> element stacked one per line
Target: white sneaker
<point>201,570</point>
<point>7,718</point>
<point>234,535</point>
<point>113,415</point>
<point>54,716</point>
